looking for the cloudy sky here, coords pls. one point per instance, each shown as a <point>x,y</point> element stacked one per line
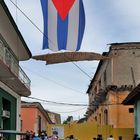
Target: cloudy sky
<point>107,21</point>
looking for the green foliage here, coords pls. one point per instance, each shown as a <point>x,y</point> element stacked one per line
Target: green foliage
<point>68,120</point>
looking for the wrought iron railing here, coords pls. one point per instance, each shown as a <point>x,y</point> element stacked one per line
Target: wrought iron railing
<point>8,58</point>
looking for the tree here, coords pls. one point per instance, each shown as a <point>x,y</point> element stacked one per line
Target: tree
<point>68,120</point>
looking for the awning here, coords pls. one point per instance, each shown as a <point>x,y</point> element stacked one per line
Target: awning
<point>69,57</point>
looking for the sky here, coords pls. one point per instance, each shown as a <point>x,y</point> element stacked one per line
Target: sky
<point>107,21</point>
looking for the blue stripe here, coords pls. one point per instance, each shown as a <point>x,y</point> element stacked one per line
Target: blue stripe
<point>81,24</point>
<point>44,4</point>
<point>62,32</point>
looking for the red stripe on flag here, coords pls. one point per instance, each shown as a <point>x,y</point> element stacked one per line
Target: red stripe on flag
<point>63,7</point>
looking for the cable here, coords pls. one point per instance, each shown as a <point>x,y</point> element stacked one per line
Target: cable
<point>69,104</point>
<point>58,103</point>
<point>79,68</point>
<point>55,82</point>
<point>31,21</point>
<point>52,43</point>
<point>73,110</point>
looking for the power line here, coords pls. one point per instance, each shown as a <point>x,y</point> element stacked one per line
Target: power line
<point>55,82</point>
<point>52,43</point>
<point>73,110</point>
<point>53,102</point>
<point>31,21</point>
<point>69,104</point>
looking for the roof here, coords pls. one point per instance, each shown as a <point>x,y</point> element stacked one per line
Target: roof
<point>125,43</point>
<point>82,120</point>
<point>15,26</point>
<point>36,105</point>
<point>132,96</point>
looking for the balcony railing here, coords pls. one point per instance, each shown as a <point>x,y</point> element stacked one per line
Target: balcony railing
<point>8,58</point>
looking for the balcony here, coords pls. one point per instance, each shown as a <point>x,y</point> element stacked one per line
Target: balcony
<point>11,73</point>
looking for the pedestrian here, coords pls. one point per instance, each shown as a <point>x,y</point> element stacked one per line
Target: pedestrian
<point>110,138</point>
<point>136,137</point>
<point>99,137</point>
<point>54,136</point>
<point>36,137</point>
<point>1,136</point>
<point>27,135</point>
<point>71,137</point>
<point>120,137</point>
<point>42,136</point>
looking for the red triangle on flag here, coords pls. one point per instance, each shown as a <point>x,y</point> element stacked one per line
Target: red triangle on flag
<point>63,7</point>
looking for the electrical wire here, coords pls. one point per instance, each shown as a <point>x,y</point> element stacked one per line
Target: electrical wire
<point>55,82</point>
<point>58,103</point>
<point>69,104</point>
<point>31,22</point>
<point>52,43</point>
<point>73,110</point>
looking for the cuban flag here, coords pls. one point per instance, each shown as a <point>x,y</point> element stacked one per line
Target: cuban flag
<point>64,24</point>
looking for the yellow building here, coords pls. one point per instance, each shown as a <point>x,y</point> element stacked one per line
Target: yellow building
<point>113,81</point>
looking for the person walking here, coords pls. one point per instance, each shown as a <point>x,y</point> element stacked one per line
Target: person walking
<point>71,137</point>
<point>54,136</point>
<point>110,138</point>
<point>42,136</point>
<point>36,137</point>
<point>136,137</point>
<point>120,137</point>
<point>99,137</point>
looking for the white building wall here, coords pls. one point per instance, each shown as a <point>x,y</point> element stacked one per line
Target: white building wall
<point>124,62</point>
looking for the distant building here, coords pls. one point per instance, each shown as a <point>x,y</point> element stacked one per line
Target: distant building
<point>55,117</point>
<point>14,83</point>
<point>34,117</point>
<point>113,81</point>
<point>134,99</point>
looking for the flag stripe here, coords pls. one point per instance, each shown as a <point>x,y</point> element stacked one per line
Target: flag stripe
<point>52,26</point>
<point>62,32</point>
<point>81,24</point>
<point>73,27</point>
<point>44,4</point>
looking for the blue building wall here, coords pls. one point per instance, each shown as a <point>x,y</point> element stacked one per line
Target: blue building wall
<point>137,117</point>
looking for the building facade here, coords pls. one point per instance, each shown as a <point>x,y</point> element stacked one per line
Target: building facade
<point>14,83</point>
<point>134,99</point>
<point>55,117</point>
<point>34,117</point>
<point>114,79</point>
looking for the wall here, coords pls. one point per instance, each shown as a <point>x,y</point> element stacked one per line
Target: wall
<point>28,117</point>
<point>116,111</point>
<point>123,61</point>
<point>86,131</point>
<point>18,99</point>
<point>137,118</point>
<point>8,102</point>
<point>9,34</point>
<point>44,122</point>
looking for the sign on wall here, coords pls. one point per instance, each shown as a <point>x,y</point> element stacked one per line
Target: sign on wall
<point>60,130</point>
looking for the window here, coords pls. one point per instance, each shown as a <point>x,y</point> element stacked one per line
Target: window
<point>105,83</point>
<point>131,110</point>
<point>39,124</point>
<point>106,117</point>
<point>100,119</point>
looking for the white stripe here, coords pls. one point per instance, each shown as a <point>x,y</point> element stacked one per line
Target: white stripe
<point>52,26</point>
<point>73,27</point>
